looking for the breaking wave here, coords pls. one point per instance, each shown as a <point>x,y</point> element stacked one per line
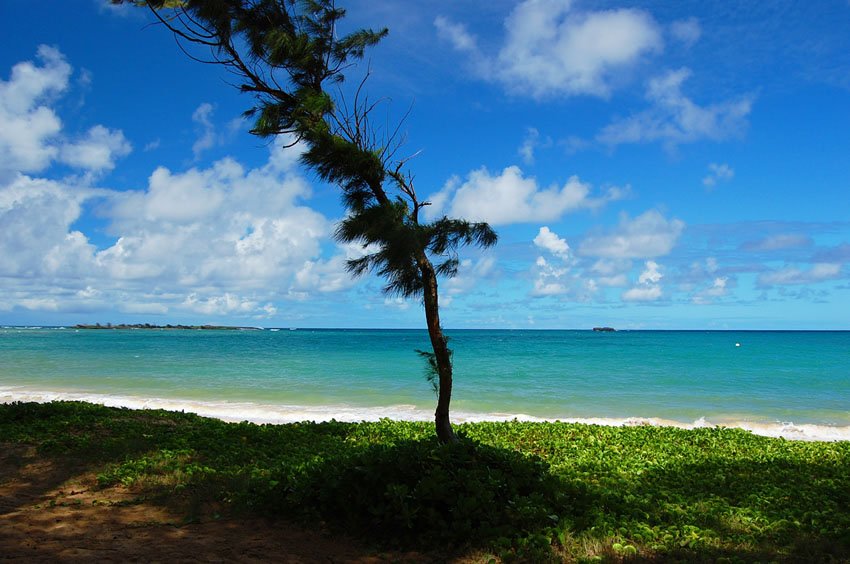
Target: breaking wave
<point>282,413</point>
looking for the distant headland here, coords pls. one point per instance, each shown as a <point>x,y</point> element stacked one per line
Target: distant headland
<point>604,329</point>
<point>149,326</point>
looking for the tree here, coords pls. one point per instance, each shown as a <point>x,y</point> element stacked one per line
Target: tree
<point>286,53</point>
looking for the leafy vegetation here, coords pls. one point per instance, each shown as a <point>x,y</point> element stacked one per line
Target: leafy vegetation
<point>524,491</point>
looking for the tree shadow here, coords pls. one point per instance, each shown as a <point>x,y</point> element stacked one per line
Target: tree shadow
<point>419,493</point>
<point>416,493</point>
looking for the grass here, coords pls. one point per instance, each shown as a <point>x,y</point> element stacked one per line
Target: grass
<point>523,491</point>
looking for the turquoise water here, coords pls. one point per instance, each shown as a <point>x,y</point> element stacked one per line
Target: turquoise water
<point>797,381</point>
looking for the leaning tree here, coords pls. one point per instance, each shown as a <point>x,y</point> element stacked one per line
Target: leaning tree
<point>288,55</point>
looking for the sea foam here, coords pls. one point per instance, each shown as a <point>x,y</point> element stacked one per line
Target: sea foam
<point>283,413</point>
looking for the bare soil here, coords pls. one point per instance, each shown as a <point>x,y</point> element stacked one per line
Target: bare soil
<point>53,511</point>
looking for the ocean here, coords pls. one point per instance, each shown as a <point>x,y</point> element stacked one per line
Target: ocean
<point>794,384</point>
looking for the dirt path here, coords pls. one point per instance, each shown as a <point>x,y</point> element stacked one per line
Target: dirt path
<point>50,511</point>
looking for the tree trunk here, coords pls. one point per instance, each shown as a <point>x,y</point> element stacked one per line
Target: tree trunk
<point>445,433</point>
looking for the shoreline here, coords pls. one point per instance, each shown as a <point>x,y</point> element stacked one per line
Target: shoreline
<point>277,414</point>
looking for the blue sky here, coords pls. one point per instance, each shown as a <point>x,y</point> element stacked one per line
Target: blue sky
<point>672,165</point>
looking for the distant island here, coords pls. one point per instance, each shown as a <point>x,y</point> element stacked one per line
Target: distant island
<point>604,329</point>
<point>149,326</point>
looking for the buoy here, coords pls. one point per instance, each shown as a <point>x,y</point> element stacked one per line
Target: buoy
<point>737,344</point>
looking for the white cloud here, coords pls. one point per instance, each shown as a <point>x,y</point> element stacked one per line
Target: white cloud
<point>549,241</point>
<point>124,10</point>
<point>223,240</point>
<point>552,50</point>
<point>704,283</point>
<point>553,278</point>
<point>531,143</point>
<point>470,275</point>
<point>642,294</point>
<point>97,150</point>
<point>324,276</point>
<point>36,239</point>
<point>610,272</point>
<point>221,225</point>
<point>227,304</point>
<point>608,267</point>
<point>719,287</point>
<point>648,235</point>
<point>27,126</point>
<point>650,275</point>
<point>40,304</point>
<point>717,173</point>
<point>512,198</point>
<point>674,119</point>
<point>206,131</point>
<point>819,272</point>
<point>30,131</point>
<point>456,34</point>
<point>616,281</point>
<point>397,303</point>
<point>687,31</point>
<point>648,287</point>
<point>550,279</point>
<point>216,241</point>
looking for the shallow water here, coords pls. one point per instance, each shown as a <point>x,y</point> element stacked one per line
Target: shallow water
<point>794,384</point>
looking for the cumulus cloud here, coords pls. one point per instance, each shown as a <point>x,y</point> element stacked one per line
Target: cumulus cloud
<point>27,125</point>
<point>642,294</point>
<point>510,197</point>
<point>549,241</point>
<point>674,119</point>
<point>31,136</point>
<point>97,150</point>
<point>216,226</point>
<point>819,272</point>
<point>217,241</point>
<point>551,49</point>
<point>324,276</point>
<point>552,277</point>
<point>36,239</point>
<point>221,240</point>
<point>648,288</point>
<point>647,235</point>
<point>718,173</point>
<point>227,304</point>
<point>650,275</point>
<point>549,279</point>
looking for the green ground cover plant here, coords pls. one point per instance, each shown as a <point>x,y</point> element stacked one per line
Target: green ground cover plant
<point>523,491</point>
